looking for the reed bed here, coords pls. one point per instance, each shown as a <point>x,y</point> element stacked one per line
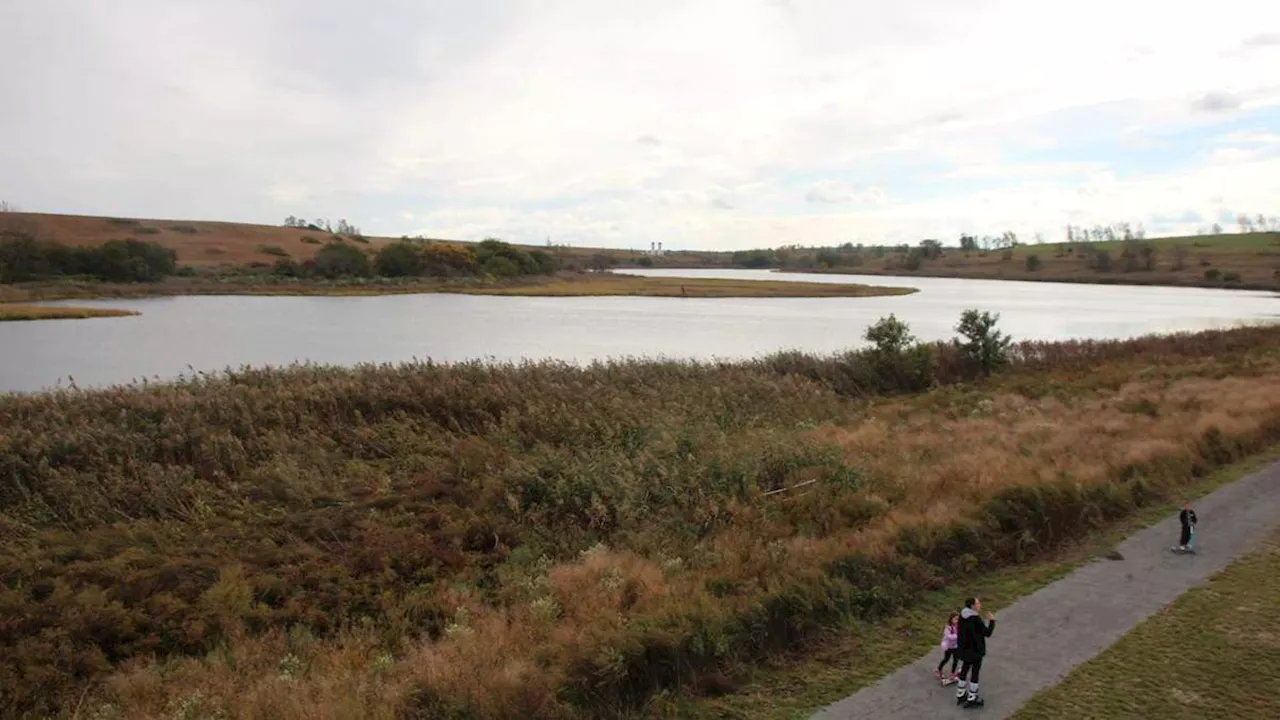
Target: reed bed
<point>546,540</point>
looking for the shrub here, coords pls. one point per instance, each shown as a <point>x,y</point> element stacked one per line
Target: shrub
<point>336,260</point>
<point>308,240</point>
<point>1100,260</point>
<point>285,267</point>
<point>445,260</point>
<point>184,229</point>
<point>275,250</point>
<point>145,230</point>
<point>24,258</point>
<point>896,361</point>
<point>645,261</point>
<point>1212,274</point>
<point>983,347</point>
<point>1033,263</point>
<point>914,260</point>
<point>1231,276</point>
<point>399,259</point>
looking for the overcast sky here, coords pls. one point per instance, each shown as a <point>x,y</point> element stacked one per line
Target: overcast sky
<point>699,123</point>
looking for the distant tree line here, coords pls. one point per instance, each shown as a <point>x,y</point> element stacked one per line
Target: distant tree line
<point>322,225</point>
<point>24,258</point>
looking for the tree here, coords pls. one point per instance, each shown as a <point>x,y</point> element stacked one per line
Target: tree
<point>931,249</point>
<point>1100,260</point>
<point>984,347</point>
<point>445,260</point>
<point>7,207</point>
<point>338,259</point>
<point>1148,252</point>
<point>896,362</point>
<point>292,221</point>
<point>1216,229</point>
<point>399,259</point>
<point>968,243</point>
<point>890,335</point>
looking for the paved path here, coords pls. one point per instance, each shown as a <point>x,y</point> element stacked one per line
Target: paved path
<point>1041,637</point>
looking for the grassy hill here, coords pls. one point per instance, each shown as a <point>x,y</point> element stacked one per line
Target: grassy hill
<point>1243,260</point>
<point>210,244</point>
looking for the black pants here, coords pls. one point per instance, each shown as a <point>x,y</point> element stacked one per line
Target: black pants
<point>949,655</point>
<point>971,668</point>
<point>1186,535</point>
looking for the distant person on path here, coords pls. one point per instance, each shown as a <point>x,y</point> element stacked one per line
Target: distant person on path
<point>1187,541</point>
<point>948,646</point>
<point>971,646</point>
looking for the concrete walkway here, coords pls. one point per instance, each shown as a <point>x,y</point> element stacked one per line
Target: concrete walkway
<point>1041,637</point>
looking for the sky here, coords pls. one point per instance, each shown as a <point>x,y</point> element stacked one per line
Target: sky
<point>701,124</point>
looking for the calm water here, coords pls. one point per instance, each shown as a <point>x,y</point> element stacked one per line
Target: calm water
<point>174,336</point>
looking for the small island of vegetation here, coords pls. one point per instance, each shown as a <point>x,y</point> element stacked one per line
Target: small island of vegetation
<point>14,312</point>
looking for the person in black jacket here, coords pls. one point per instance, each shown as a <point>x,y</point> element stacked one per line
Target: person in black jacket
<point>971,647</point>
<point>1186,542</point>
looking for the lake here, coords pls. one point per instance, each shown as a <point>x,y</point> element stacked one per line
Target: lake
<point>175,336</point>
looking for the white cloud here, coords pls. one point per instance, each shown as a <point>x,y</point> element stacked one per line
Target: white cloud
<point>689,121</point>
<point>836,192</point>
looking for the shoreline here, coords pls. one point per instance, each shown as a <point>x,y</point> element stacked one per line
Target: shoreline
<point>1033,277</point>
<point>595,285</point>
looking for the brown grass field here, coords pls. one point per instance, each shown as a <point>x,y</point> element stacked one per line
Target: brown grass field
<point>210,244</point>
<point>549,541</point>
<point>198,243</point>
<point>14,312</point>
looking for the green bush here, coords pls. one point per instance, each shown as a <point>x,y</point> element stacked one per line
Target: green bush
<point>399,259</point>
<point>1231,276</point>
<point>983,347</point>
<point>1033,262</point>
<point>897,363</point>
<point>336,260</point>
<point>275,250</point>
<point>1213,274</point>
<point>23,258</point>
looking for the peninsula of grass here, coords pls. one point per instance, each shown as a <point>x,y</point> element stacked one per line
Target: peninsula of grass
<point>549,540</point>
<point>10,312</point>
<point>1203,656</point>
<point>603,284</point>
<point>565,285</point>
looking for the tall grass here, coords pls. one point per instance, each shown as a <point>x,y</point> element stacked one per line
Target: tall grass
<point>547,540</point>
